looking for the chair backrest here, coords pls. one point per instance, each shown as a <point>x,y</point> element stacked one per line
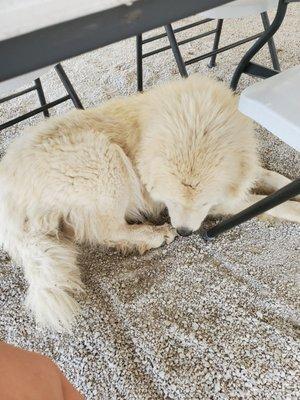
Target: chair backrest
<point>12,85</point>
<point>240,9</point>
<point>275,104</point>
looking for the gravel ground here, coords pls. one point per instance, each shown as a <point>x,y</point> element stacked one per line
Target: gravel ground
<point>190,320</point>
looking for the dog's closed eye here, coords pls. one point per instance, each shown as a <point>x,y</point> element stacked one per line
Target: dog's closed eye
<point>188,185</point>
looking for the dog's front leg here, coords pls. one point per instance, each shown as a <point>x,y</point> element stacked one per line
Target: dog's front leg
<point>290,210</point>
<point>270,181</point>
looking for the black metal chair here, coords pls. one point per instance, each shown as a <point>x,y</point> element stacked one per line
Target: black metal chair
<point>225,10</point>
<point>44,108</point>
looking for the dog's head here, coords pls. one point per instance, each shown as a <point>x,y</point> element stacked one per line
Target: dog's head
<point>197,150</point>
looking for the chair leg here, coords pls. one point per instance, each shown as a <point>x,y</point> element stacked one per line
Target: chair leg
<point>68,86</point>
<point>139,62</point>
<point>271,44</point>
<point>261,41</point>
<point>280,196</point>
<point>212,62</point>
<point>176,51</point>
<point>41,95</point>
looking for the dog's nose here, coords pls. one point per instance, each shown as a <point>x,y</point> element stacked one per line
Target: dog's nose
<point>184,231</point>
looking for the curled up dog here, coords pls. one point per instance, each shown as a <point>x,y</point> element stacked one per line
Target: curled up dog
<point>82,177</point>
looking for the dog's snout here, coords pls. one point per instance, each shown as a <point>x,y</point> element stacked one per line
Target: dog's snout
<point>182,231</point>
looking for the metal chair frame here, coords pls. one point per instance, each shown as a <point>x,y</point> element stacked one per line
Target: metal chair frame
<point>44,108</point>
<point>174,45</point>
<point>246,66</point>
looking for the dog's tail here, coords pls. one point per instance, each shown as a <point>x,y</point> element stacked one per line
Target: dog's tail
<point>53,277</point>
<point>49,265</point>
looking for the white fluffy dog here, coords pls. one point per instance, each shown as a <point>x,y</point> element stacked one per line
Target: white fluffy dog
<point>83,176</point>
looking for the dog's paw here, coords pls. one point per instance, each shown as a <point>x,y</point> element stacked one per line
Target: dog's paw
<point>293,211</point>
<point>156,237</point>
<point>169,233</point>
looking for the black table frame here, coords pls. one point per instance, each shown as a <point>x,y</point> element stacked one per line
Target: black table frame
<point>53,44</point>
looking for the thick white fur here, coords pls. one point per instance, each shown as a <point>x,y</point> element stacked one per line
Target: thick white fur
<point>81,177</point>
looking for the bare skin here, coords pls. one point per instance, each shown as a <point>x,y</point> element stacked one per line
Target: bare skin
<point>25,375</point>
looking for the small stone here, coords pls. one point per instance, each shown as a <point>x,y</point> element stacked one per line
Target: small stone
<point>195,326</point>
<point>162,374</point>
